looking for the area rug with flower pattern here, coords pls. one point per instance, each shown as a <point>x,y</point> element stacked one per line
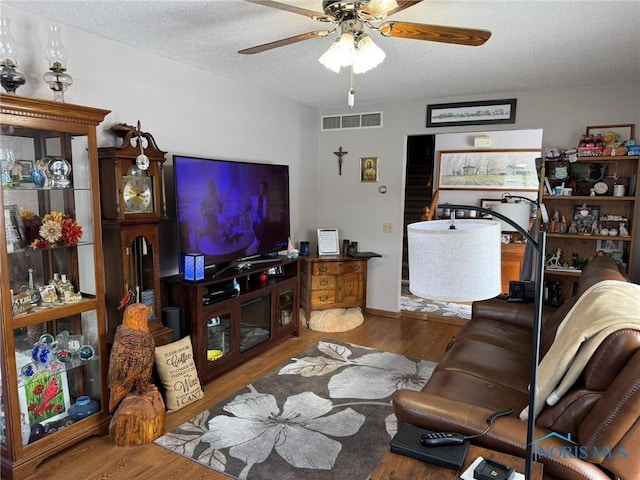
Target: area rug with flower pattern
<point>412,303</point>
<point>326,414</point>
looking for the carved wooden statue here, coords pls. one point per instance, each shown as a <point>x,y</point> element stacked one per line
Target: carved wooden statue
<point>140,416</point>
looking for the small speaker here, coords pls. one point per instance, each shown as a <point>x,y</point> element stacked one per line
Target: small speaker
<point>522,291</point>
<point>172,318</point>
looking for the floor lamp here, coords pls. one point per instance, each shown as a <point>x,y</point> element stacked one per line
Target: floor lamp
<point>470,251</point>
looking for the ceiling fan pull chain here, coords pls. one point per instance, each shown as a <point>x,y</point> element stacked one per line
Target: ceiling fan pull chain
<point>352,93</point>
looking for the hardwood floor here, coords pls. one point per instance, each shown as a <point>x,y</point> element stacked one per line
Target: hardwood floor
<point>98,458</point>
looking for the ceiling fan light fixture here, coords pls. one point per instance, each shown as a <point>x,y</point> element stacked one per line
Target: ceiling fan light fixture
<point>379,8</point>
<point>368,55</point>
<point>341,53</point>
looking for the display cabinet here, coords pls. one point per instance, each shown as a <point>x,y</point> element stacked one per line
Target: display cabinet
<point>53,343</point>
<point>591,205</point>
<point>237,314</point>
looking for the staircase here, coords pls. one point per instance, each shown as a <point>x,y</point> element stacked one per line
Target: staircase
<point>417,191</point>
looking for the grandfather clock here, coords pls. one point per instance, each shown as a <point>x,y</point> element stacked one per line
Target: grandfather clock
<point>132,199</point>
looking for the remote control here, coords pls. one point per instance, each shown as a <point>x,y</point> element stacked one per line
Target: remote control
<point>437,439</point>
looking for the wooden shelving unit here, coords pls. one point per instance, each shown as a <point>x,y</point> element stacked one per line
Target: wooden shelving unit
<point>623,170</point>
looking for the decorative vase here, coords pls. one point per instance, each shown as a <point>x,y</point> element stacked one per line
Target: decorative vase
<point>37,432</point>
<point>58,169</point>
<point>83,407</point>
<point>26,430</point>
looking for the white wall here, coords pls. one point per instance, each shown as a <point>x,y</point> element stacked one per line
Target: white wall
<point>358,210</point>
<point>193,112</point>
<point>188,111</point>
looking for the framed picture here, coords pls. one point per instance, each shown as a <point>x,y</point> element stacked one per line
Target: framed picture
<point>44,397</point>
<point>328,242</point>
<point>488,170</point>
<point>488,203</point>
<point>369,169</point>
<point>623,132</point>
<point>25,168</point>
<point>585,217</point>
<point>14,228</point>
<point>472,113</point>
<point>609,246</point>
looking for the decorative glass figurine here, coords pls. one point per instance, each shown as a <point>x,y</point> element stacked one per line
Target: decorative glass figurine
<point>58,170</point>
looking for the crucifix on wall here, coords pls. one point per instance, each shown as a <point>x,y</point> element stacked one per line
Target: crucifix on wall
<point>340,154</point>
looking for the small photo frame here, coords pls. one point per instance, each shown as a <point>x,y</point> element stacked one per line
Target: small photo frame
<point>585,217</point>
<point>610,246</point>
<point>369,169</point>
<point>328,242</point>
<point>25,168</point>
<point>44,397</point>
<point>488,203</point>
<point>14,228</point>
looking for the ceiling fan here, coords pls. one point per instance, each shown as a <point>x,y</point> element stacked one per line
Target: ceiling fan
<point>351,16</point>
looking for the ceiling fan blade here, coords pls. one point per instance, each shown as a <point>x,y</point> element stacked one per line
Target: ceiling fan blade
<point>402,4</point>
<point>290,8</point>
<point>286,41</point>
<point>435,33</point>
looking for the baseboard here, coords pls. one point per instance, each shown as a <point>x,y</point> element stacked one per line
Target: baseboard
<point>383,313</point>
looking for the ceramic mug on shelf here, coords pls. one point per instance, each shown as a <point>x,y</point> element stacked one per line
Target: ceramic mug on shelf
<point>618,190</point>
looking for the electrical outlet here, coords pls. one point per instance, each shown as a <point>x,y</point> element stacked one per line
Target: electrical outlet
<point>387,227</point>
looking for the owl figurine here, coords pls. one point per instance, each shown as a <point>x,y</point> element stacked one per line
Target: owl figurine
<point>132,354</point>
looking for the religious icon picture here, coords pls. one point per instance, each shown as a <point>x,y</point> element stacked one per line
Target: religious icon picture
<point>369,169</point>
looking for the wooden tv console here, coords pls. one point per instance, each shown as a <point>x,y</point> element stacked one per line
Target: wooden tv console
<point>237,315</point>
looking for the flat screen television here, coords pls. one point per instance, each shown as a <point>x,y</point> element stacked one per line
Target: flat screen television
<point>231,210</point>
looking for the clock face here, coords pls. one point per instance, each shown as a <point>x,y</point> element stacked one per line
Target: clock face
<point>137,194</point>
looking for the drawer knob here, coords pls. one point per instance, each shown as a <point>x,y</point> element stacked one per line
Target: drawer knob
<point>323,269</point>
<point>324,282</point>
<point>324,298</point>
<point>355,267</point>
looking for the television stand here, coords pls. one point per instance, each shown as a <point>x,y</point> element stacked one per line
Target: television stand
<point>229,327</point>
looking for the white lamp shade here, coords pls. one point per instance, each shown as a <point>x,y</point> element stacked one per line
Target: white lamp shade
<point>460,265</point>
<point>518,212</point>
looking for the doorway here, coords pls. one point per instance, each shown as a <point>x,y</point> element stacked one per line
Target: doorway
<point>418,189</point>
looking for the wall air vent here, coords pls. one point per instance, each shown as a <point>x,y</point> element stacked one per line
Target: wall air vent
<point>359,120</point>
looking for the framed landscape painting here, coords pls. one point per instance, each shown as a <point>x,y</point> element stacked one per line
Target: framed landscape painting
<point>488,170</point>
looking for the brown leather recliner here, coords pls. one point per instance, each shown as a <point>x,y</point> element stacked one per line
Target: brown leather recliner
<point>487,368</point>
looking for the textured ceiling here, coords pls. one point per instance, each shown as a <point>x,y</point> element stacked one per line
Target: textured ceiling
<point>534,45</point>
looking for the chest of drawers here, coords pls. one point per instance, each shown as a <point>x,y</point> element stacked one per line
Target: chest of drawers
<point>333,282</point>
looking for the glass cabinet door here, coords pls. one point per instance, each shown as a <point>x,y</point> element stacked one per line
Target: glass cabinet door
<point>53,348</point>
<point>48,216</point>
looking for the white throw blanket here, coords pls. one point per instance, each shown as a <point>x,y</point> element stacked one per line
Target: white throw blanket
<point>606,307</point>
